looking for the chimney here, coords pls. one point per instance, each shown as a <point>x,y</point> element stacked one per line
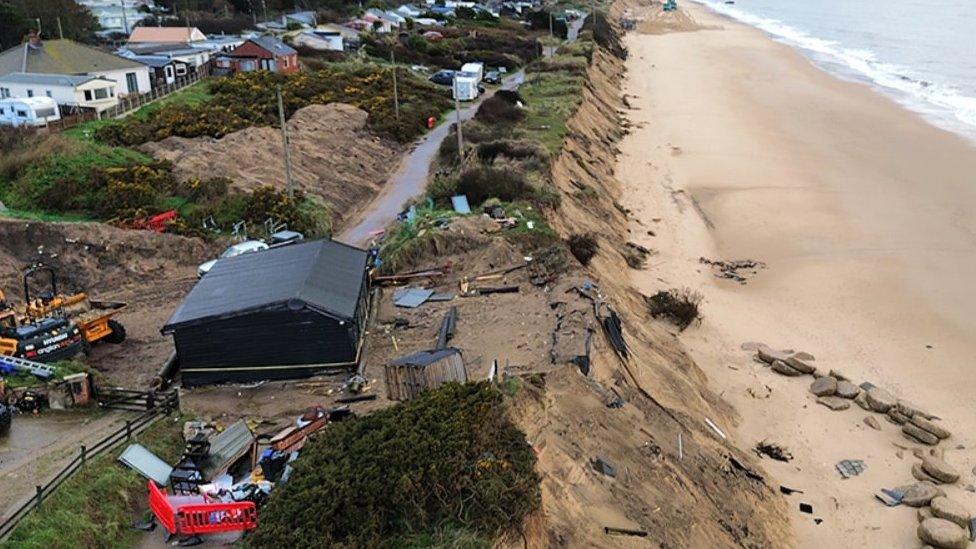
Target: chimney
<point>33,39</point>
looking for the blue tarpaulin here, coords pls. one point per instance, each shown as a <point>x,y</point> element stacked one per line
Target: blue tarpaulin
<point>460,203</point>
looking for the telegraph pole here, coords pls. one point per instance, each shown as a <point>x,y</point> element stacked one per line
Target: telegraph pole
<point>289,184</point>
<point>457,112</point>
<point>125,20</point>
<point>60,30</point>
<point>38,19</point>
<point>396,94</point>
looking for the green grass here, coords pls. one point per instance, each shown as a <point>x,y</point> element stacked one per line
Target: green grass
<point>551,99</point>
<point>96,506</point>
<point>61,369</point>
<point>41,216</point>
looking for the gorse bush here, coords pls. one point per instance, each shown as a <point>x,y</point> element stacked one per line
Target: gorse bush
<point>583,247</point>
<point>681,307</point>
<point>449,459</point>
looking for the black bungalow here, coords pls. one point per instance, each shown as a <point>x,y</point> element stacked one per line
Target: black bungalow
<point>283,313</point>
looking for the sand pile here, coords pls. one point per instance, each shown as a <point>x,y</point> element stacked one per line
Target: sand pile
<point>333,156</point>
<point>150,272</point>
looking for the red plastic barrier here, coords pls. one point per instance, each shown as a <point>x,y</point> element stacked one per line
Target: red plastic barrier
<point>202,518</point>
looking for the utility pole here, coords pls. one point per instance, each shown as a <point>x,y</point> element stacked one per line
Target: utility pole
<point>457,111</point>
<point>254,12</point>
<point>265,5</point>
<point>396,93</point>
<point>38,19</point>
<point>550,22</point>
<point>60,30</point>
<point>289,184</point>
<point>125,20</point>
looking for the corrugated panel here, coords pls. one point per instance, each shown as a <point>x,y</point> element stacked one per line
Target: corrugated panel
<point>226,448</point>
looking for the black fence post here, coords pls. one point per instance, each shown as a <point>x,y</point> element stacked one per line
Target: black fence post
<point>83,454</point>
<point>128,429</point>
<point>40,494</point>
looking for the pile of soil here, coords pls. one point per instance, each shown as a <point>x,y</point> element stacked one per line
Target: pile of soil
<point>333,156</point>
<point>151,272</point>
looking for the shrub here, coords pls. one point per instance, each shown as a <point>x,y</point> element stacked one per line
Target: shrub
<point>681,307</point>
<point>447,459</point>
<point>496,110</point>
<point>522,150</point>
<point>561,63</point>
<point>583,247</point>
<point>442,187</point>
<point>482,182</point>
<point>299,212</point>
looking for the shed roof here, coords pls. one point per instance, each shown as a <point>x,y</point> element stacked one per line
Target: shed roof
<point>61,57</point>
<point>425,358</point>
<point>273,45</point>
<point>324,275</point>
<point>72,80</point>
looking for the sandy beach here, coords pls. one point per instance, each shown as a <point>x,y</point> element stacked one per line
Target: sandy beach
<point>740,148</point>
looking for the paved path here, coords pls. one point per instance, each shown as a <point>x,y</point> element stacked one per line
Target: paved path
<point>411,176</point>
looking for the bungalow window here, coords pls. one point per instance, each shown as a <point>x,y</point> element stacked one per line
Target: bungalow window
<point>132,82</point>
<point>284,62</point>
<point>101,93</point>
<point>88,95</point>
<point>48,93</point>
<point>180,70</point>
<point>30,93</point>
<point>4,93</point>
<point>168,71</point>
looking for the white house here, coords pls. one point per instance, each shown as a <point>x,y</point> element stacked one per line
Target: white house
<point>409,11</point>
<point>320,40</point>
<point>94,92</point>
<point>186,54</point>
<point>65,57</point>
<point>118,16</point>
<point>28,111</point>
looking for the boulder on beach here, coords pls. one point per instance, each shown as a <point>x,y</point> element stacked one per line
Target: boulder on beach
<point>862,400</point>
<point>918,494</point>
<point>909,409</point>
<point>940,469</point>
<point>846,389</point>
<point>802,355</point>
<point>836,374</point>
<point>942,533</point>
<point>834,403</point>
<point>951,510</point>
<point>801,365</point>
<point>930,426</point>
<point>872,422</point>
<point>880,400</point>
<point>770,355</point>
<point>920,474</point>
<point>824,386</point>
<point>923,513</point>
<point>781,367</point>
<point>916,434</point>
<point>896,417</point>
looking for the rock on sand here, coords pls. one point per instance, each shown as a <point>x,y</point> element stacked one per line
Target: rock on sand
<point>872,422</point>
<point>945,508</point>
<point>918,494</point>
<point>923,513</point>
<point>942,533</point>
<point>920,474</point>
<point>846,389</point>
<point>801,365</point>
<point>862,400</point>
<point>880,400</point>
<point>834,403</point>
<point>930,426</point>
<point>940,469</point>
<point>916,434</point>
<point>824,386</point>
<point>781,367</point>
<point>770,355</point>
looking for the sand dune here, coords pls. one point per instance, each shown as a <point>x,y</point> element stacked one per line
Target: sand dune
<point>863,213</point>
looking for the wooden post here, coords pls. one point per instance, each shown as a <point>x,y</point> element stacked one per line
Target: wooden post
<point>396,95</point>
<point>289,184</point>
<point>84,454</point>
<point>40,494</point>
<point>457,114</point>
<point>128,429</point>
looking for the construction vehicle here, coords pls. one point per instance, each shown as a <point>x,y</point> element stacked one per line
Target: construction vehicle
<point>52,326</point>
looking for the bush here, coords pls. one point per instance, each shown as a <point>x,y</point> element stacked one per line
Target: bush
<point>681,307</point>
<point>506,183</point>
<point>583,247</point>
<point>496,110</point>
<point>521,149</point>
<point>442,187</point>
<point>299,212</point>
<point>449,459</point>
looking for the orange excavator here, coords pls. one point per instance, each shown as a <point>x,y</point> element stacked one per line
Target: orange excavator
<point>50,326</point>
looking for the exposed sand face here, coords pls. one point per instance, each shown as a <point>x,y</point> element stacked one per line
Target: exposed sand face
<point>863,213</point>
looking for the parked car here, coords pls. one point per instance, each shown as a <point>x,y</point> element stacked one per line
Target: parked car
<point>444,77</point>
<point>493,77</point>
<point>241,248</point>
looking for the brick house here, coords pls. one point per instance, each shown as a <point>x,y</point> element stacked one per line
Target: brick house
<point>261,53</point>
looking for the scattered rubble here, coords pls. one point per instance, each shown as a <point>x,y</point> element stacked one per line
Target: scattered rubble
<point>731,269</point>
<point>773,450</point>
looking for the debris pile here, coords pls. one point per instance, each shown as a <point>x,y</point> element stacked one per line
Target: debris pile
<point>733,270</point>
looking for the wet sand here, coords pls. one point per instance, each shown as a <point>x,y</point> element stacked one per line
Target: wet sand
<point>863,213</point>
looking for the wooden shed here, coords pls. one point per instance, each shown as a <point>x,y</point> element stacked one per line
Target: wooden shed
<point>407,376</point>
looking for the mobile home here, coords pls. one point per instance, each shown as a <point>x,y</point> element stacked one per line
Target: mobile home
<point>28,111</point>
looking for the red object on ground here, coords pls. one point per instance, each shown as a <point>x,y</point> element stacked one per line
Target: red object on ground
<point>201,518</point>
<point>156,223</point>
<point>430,123</point>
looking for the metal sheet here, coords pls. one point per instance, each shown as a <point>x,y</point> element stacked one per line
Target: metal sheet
<point>412,297</point>
<point>460,203</point>
<point>144,462</point>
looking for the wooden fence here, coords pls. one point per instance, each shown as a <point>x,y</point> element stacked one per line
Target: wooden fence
<point>162,405</point>
<point>132,102</point>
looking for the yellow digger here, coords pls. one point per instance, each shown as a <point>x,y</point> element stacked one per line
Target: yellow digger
<point>51,326</point>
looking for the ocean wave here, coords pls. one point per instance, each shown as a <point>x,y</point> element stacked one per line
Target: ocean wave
<point>928,98</point>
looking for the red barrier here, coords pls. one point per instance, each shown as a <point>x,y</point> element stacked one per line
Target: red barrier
<point>201,518</point>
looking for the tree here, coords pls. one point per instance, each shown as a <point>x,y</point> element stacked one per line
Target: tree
<point>13,25</point>
<point>77,22</point>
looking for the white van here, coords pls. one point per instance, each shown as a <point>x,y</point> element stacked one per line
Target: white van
<point>478,69</point>
<point>466,86</point>
<point>28,111</point>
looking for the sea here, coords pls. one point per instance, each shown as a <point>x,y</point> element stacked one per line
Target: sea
<point>920,52</point>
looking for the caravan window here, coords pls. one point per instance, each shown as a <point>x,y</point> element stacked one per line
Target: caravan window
<point>44,113</point>
<point>101,93</point>
<point>22,114</point>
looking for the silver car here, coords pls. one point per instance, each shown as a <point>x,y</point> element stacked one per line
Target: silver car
<point>241,248</point>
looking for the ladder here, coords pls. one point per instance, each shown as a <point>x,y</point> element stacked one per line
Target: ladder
<point>42,371</point>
